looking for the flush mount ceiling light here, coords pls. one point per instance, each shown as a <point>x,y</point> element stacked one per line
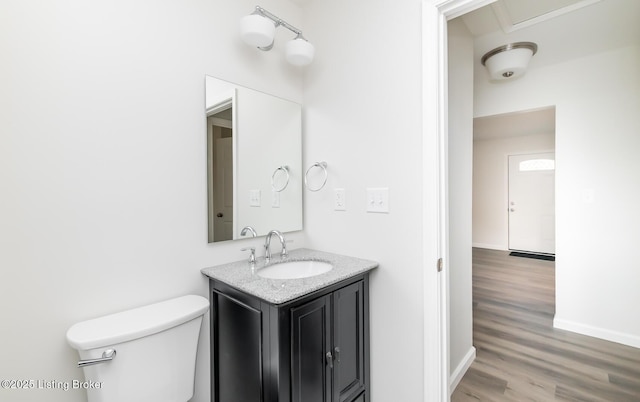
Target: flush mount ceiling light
<point>509,61</point>
<point>258,29</point>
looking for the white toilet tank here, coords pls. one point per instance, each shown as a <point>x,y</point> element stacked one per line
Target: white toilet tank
<point>155,351</point>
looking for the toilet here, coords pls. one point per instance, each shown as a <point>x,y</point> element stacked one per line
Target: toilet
<point>155,352</point>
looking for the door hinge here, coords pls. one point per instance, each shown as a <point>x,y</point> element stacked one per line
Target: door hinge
<point>440,264</point>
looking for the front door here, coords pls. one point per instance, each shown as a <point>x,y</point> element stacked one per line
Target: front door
<point>532,203</point>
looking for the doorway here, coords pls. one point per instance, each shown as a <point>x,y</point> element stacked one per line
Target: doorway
<point>585,120</point>
<point>437,339</point>
<point>496,138</point>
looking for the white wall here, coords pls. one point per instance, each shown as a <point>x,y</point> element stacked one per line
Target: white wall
<point>460,151</point>
<point>362,116</point>
<point>102,165</point>
<point>597,100</point>
<point>490,185</point>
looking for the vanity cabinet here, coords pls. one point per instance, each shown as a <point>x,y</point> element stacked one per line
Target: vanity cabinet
<point>311,349</point>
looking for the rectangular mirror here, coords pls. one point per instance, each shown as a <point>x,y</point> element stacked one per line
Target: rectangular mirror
<point>254,161</point>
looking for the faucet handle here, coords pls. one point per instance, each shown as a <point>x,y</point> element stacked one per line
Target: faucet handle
<point>285,252</point>
<point>252,256</point>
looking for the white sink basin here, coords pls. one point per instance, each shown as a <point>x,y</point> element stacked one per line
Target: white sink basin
<point>295,269</point>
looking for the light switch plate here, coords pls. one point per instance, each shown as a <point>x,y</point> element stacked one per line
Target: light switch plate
<point>275,199</point>
<point>378,200</point>
<point>339,199</point>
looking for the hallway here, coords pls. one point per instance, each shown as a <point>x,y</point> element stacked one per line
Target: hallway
<point>521,357</point>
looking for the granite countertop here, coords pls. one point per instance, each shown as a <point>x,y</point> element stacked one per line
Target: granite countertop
<point>241,275</point>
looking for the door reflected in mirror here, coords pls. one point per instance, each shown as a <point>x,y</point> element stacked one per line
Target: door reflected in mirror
<point>254,161</point>
<point>220,135</point>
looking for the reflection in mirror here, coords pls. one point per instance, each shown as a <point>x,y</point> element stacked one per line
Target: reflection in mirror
<point>254,161</point>
<point>220,164</point>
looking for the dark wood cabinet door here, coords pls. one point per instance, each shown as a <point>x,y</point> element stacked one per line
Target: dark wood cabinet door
<point>237,350</point>
<point>310,343</point>
<point>348,342</point>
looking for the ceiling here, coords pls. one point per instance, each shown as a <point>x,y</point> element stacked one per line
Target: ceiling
<point>521,11</point>
<point>515,124</point>
<point>510,15</point>
<point>563,29</point>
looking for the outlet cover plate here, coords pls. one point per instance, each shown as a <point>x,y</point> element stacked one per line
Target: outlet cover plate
<point>254,198</point>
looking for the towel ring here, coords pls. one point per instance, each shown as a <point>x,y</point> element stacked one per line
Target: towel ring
<point>321,165</point>
<point>285,169</point>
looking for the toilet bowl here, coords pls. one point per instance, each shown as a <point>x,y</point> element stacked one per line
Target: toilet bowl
<point>155,352</point>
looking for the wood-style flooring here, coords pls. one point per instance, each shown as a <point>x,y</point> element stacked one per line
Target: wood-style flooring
<point>521,357</point>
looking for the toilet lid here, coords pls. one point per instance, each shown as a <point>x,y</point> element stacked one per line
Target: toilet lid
<point>136,323</point>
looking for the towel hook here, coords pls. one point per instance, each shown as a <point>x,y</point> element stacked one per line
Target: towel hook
<point>321,165</point>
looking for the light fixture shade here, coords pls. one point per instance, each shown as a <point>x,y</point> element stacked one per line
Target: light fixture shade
<point>299,52</point>
<point>509,61</point>
<point>257,30</point>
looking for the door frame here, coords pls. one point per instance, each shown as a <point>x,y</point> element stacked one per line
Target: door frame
<point>435,14</point>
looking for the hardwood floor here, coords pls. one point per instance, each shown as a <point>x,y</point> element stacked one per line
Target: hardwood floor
<point>521,357</point>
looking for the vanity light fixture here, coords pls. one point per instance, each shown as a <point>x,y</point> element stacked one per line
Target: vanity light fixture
<point>258,29</point>
<point>509,61</point>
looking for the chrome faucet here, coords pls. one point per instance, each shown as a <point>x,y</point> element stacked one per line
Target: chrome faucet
<point>248,229</point>
<point>267,245</point>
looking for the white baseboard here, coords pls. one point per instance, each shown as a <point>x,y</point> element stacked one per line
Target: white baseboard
<point>596,332</point>
<point>490,246</point>
<point>462,368</point>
